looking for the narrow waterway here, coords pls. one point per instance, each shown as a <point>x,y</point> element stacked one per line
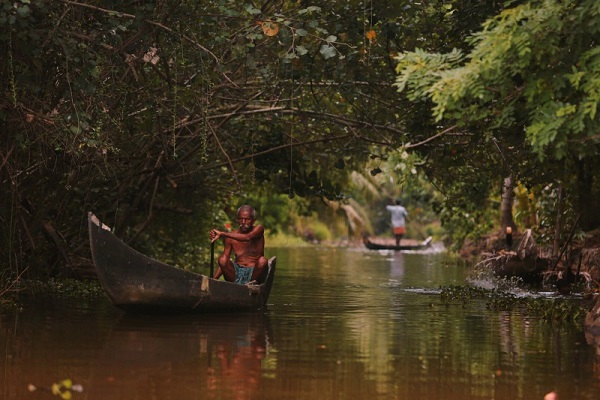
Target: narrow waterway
<point>341,324</point>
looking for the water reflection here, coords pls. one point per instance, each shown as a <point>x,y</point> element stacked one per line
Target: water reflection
<point>348,324</point>
<point>160,357</point>
<point>118,356</point>
<point>379,326</point>
<point>397,267</point>
<point>240,362</point>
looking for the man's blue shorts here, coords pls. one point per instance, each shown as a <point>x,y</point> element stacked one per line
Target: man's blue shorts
<point>243,275</point>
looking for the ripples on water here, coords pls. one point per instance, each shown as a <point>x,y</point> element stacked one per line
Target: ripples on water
<point>341,324</point>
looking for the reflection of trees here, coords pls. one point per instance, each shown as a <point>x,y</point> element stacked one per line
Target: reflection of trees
<point>356,328</point>
<point>592,333</point>
<point>348,334</point>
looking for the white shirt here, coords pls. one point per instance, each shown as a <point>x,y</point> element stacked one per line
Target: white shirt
<point>399,214</point>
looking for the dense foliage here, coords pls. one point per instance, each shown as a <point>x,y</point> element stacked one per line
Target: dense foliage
<point>156,114</point>
<point>522,101</point>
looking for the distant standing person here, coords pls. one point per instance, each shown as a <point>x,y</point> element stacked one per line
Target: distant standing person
<point>248,245</point>
<point>399,216</point>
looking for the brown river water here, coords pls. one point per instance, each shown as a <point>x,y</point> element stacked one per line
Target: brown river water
<point>340,324</point>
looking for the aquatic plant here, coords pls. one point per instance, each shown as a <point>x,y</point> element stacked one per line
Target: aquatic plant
<point>554,309</point>
<point>65,288</point>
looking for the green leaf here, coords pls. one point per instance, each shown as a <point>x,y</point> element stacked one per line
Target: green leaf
<point>251,10</point>
<point>327,51</point>
<point>24,10</point>
<point>301,50</point>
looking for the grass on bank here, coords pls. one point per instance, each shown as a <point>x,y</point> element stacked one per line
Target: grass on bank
<point>281,239</point>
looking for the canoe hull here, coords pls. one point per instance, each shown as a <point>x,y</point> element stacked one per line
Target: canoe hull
<point>135,282</point>
<point>374,244</point>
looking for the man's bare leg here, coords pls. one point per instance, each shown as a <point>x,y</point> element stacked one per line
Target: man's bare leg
<point>260,270</point>
<point>227,268</point>
<point>398,239</point>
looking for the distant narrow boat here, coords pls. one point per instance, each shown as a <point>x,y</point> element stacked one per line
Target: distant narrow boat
<point>135,282</point>
<point>390,244</point>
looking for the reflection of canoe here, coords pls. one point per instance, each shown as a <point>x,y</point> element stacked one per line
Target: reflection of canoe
<point>136,282</point>
<point>182,356</point>
<point>390,244</point>
<point>139,340</point>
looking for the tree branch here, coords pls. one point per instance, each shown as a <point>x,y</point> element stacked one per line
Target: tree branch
<point>5,159</point>
<point>150,22</point>
<point>447,130</point>
<point>277,148</point>
<point>229,162</point>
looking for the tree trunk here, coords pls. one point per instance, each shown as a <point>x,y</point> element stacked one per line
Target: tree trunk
<point>506,205</point>
<point>590,218</point>
<point>558,224</point>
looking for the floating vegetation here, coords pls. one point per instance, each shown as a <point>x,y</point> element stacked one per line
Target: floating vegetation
<point>8,302</point>
<point>9,287</point>
<point>65,288</point>
<point>556,309</point>
<point>55,288</point>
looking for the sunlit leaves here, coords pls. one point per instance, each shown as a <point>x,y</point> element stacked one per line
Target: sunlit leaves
<point>520,52</point>
<point>429,75</point>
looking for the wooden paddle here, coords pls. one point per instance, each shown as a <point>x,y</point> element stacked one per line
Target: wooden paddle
<point>212,258</point>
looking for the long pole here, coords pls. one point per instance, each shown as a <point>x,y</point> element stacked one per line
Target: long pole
<point>212,258</point>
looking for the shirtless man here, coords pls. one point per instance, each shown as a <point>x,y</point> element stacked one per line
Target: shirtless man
<point>248,245</point>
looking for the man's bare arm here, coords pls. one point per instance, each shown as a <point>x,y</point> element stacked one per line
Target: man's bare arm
<point>257,232</point>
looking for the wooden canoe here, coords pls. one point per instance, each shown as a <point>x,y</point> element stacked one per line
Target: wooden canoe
<point>135,282</point>
<point>390,244</point>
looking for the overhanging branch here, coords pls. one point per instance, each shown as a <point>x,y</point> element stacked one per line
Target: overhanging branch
<point>150,22</point>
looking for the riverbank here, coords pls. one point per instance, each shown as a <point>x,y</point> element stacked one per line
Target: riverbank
<point>583,254</point>
<point>580,260</point>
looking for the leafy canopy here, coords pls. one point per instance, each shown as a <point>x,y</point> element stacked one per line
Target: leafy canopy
<point>534,66</point>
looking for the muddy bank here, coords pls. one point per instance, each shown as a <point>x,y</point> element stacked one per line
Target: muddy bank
<point>580,255</point>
